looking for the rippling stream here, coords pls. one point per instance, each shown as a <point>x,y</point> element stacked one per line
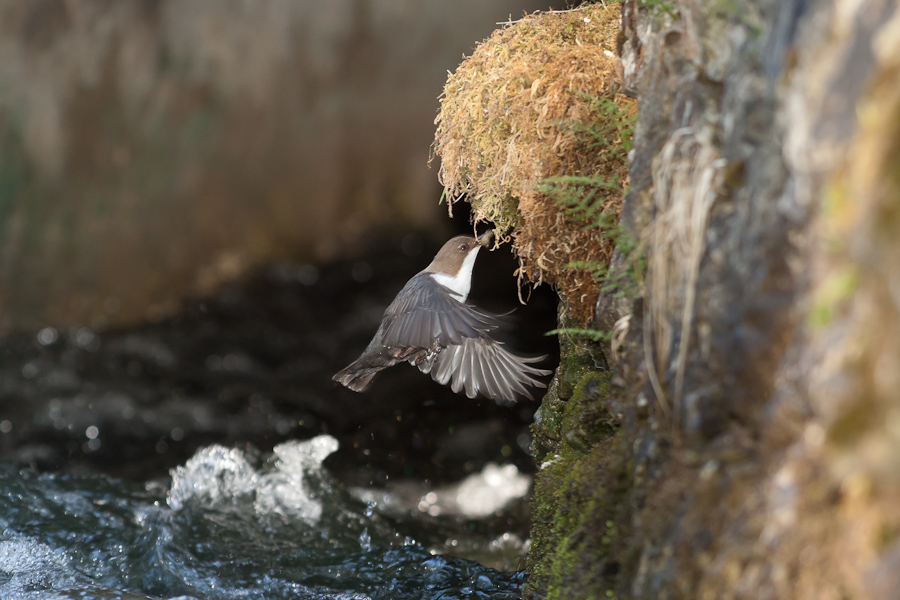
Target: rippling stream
<point>225,528</point>
<point>209,455</point>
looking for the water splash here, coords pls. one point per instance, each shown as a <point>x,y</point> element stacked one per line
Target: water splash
<point>228,527</point>
<point>285,491</point>
<point>479,495</point>
<point>213,475</point>
<point>217,475</point>
<point>33,566</point>
<point>485,493</point>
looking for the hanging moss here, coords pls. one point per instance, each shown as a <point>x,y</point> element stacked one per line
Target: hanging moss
<point>541,99</point>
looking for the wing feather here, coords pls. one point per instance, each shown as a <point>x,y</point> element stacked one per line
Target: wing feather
<point>440,372</point>
<point>483,366</point>
<point>425,311</point>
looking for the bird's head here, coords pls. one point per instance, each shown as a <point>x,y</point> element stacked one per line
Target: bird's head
<point>453,254</point>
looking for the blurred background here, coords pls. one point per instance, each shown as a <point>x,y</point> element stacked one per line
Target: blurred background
<point>152,149</point>
<point>205,208</point>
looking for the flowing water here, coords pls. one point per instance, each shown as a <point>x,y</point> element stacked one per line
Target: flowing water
<point>209,455</point>
<point>226,528</point>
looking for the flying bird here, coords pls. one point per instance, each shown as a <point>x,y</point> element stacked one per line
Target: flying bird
<point>431,326</point>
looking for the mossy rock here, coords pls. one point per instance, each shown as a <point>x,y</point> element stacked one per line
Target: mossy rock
<point>573,409</point>
<point>575,405</point>
<point>577,541</point>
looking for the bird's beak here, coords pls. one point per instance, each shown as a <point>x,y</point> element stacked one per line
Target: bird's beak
<point>486,238</point>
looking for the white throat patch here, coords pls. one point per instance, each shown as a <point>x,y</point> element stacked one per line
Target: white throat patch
<point>460,285</point>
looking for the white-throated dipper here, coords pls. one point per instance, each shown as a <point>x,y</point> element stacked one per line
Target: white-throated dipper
<point>430,325</point>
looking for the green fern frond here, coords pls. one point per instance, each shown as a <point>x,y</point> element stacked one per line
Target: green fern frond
<point>585,200</point>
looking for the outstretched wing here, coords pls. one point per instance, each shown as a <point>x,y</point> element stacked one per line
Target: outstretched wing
<point>483,366</point>
<point>425,314</point>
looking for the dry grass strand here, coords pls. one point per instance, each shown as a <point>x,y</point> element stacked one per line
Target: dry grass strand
<point>686,176</point>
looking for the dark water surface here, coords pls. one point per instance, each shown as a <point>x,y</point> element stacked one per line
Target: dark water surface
<point>225,529</point>
<point>210,455</point>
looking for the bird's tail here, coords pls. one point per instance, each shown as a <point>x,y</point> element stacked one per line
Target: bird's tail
<point>355,377</point>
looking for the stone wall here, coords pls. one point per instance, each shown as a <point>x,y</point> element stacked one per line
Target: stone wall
<point>151,148</point>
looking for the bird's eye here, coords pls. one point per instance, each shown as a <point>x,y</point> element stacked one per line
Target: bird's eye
<point>462,247</point>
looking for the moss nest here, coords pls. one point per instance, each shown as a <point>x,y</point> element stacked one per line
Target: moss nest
<point>540,99</point>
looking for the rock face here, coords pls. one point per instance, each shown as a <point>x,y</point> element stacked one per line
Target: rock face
<point>743,441</point>
<point>150,148</point>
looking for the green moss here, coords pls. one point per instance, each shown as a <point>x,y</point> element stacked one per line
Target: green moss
<point>546,431</point>
<point>576,539</point>
<point>576,420</point>
<point>585,420</point>
<point>833,295</point>
<point>562,416</point>
<point>578,499</point>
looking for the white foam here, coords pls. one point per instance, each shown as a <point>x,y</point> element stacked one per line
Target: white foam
<point>32,566</point>
<point>212,475</point>
<point>217,475</point>
<point>484,493</point>
<point>283,491</point>
<point>478,495</point>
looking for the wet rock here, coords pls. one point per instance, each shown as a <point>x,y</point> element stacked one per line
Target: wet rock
<point>758,379</point>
